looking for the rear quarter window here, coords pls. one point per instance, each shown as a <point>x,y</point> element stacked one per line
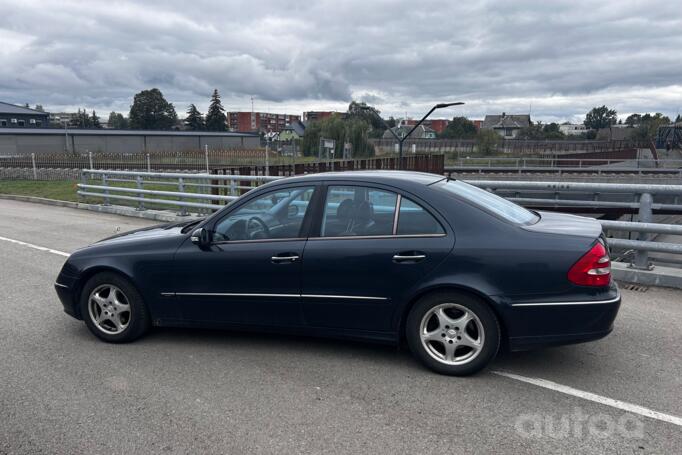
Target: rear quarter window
<point>488,201</point>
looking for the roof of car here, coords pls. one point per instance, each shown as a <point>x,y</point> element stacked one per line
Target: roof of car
<point>388,177</point>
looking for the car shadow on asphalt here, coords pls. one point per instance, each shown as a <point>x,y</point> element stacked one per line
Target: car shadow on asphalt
<point>250,342</point>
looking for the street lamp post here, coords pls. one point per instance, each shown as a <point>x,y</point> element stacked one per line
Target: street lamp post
<point>402,139</point>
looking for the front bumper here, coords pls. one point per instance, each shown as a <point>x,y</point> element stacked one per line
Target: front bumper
<point>67,287</point>
<point>555,323</point>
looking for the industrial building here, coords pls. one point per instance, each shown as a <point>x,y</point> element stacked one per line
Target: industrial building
<point>18,141</point>
<point>12,116</point>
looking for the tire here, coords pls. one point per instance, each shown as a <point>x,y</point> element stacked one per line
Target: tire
<point>113,309</point>
<point>453,333</point>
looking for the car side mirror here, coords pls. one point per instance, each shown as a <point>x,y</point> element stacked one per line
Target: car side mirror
<point>201,237</point>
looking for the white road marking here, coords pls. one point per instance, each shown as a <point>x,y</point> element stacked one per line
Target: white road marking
<point>36,247</point>
<point>629,407</point>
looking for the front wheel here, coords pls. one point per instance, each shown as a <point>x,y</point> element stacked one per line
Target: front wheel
<point>113,309</point>
<point>453,333</point>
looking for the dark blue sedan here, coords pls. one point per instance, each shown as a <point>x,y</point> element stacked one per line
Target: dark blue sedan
<point>453,270</point>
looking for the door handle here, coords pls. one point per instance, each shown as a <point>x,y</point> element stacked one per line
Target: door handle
<point>413,256</point>
<point>287,258</point>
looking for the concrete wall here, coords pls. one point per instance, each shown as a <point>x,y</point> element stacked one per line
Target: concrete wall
<point>21,144</point>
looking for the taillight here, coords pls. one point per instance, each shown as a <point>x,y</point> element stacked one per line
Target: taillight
<point>593,269</point>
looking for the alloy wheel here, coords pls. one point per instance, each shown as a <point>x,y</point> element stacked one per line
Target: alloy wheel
<point>109,309</point>
<point>451,334</point>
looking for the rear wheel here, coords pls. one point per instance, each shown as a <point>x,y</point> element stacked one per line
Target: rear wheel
<point>453,333</point>
<point>113,309</point>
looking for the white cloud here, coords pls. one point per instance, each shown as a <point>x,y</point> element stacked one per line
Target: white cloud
<point>560,57</point>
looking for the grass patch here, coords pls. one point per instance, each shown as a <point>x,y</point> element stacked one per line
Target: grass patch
<point>63,190</point>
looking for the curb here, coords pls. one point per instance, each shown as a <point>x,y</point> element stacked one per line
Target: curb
<point>660,276</point>
<point>40,200</point>
<point>156,215</point>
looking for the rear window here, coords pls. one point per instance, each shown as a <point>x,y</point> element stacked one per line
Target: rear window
<point>489,201</point>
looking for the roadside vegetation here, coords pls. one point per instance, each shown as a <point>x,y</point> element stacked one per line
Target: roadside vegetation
<point>66,190</point>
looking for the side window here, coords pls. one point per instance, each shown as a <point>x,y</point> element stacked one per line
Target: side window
<point>358,211</point>
<point>275,215</point>
<point>414,220</point>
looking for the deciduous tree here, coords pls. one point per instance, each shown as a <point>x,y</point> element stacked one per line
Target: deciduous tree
<point>151,111</point>
<point>600,117</point>
<point>117,121</point>
<point>459,128</point>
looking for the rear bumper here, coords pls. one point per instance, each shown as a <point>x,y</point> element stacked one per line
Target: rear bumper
<point>537,325</point>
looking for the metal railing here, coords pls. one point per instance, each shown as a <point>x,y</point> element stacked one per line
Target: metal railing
<point>209,192</point>
<point>198,191</point>
<point>560,163</point>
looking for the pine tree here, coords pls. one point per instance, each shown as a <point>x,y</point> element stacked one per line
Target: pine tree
<point>215,117</point>
<point>194,120</point>
<point>94,120</point>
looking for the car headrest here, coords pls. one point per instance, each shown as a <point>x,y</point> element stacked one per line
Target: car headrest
<point>364,212</point>
<point>345,210</point>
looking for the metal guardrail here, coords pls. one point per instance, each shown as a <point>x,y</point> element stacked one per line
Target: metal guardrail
<point>557,162</point>
<point>641,195</point>
<point>560,170</point>
<point>206,188</point>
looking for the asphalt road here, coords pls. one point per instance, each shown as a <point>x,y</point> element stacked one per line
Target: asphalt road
<point>192,391</point>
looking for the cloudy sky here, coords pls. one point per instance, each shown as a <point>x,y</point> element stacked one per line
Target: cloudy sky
<point>554,58</point>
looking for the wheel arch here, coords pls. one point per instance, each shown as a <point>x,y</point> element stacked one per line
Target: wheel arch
<point>88,273</point>
<point>452,288</point>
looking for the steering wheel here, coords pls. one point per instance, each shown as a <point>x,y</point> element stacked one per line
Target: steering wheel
<point>254,220</point>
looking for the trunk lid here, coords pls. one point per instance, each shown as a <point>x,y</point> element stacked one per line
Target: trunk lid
<point>563,223</point>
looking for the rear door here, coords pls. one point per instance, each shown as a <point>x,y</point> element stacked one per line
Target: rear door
<point>370,246</point>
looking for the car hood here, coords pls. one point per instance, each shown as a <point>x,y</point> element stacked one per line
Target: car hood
<point>562,223</point>
<point>157,231</point>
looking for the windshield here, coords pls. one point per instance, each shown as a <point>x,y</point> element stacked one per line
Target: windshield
<point>500,206</point>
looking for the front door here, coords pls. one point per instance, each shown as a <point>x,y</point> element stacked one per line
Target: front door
<point>251,272</point>
<point>367,257</point>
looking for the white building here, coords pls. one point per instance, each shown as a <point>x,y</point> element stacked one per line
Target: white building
<point>572,129</point>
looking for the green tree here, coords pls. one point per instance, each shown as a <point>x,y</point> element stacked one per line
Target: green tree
<point>678,118</point>
<point>534,132</point>
<point>215,117</point>
<point>117,121</point>
<point>368,114</point>
<point>194,120</point>
<point>459,128</point>
<point>391,122</point>
<point>151,111</point>
<point>648,126</point>
<point>633,120</point>
<point>94,120</point>
<point>83,120</point>
<point>341,130</point>
<point>357,133</point>
<point>487,141</point>
<point>311,138</point>
<point>552,131</point>
<point>39,107</point>
<point>600,117</point>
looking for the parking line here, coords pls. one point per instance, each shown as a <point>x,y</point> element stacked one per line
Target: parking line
<point>629,407</point>
<point>36,247</point>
